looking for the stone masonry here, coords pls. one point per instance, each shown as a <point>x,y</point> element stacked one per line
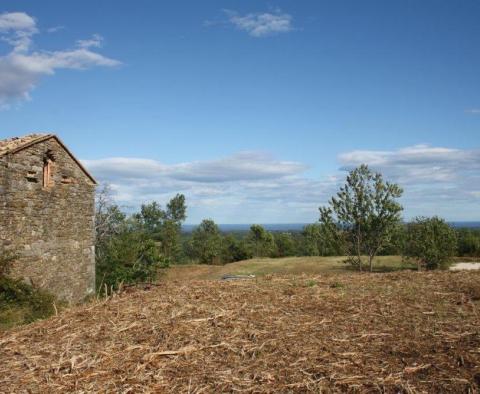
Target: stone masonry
<point>47,215</point>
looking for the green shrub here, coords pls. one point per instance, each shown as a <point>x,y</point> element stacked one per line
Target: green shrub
<point>311,283</point>
<point>21,303</point>
<point>129,257</point>
<point>233,249</point>
<point>431,242</point>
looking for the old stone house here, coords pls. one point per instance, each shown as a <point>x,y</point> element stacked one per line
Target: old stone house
<point>47,215</point>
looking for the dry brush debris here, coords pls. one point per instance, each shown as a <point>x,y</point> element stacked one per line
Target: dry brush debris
<point>400,332</point>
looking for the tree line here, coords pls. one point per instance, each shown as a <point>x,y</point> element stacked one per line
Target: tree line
<point>362,221</point>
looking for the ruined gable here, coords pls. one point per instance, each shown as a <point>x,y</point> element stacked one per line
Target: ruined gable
<point>47,215</point>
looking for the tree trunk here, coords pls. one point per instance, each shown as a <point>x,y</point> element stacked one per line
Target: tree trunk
<point>370,262</point>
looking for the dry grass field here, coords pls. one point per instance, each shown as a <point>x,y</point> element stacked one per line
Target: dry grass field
<point>398,332</point>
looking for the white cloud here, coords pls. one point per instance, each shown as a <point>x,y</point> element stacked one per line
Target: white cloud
<point>240,167</point>
<point>244,166</point>
<point>436,180</point>
<point>248,186</point>
<point>474,111</point>
<point>261,24</point>
<point>54,29</point>
<point>16,21</point>
<point>17,28</point>
<point>21,69</point>
<point>255,187</point>
<point>419,163</point>
<point>95,41</point>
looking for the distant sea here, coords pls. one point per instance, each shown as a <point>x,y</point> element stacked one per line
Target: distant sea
<point>187,228</point>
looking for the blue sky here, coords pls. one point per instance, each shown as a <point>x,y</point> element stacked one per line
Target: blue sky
<point>253,109</point>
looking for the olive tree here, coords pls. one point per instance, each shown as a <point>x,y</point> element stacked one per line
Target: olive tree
<point>365,211</point>
<point>431,242</point>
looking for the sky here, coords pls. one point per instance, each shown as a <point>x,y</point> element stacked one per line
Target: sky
<point>255,110</point>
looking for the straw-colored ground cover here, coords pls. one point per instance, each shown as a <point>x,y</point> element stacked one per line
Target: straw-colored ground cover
<point>396,332</point>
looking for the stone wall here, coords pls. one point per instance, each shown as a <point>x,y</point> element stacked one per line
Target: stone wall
<point>50,229</point>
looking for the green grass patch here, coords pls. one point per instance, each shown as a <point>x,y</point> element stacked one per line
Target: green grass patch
<point>315,265</point>
<point>337,285</point>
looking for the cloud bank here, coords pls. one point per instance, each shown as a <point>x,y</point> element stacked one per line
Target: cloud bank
<point>437,180</point>
<point>255,187</point>
<point>248,186</point>
<point>22,68</point>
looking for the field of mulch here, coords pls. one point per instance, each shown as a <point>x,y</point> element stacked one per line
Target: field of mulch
<point>400,332</point>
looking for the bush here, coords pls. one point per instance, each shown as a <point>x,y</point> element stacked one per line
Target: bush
<point>431,242</point>
<point>129,257</point>
<point>469,242</point>
<point>285,245</point>
<point>21,303</point>
<point>233,250</point>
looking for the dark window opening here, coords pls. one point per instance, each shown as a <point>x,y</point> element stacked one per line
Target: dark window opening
<point>32,177</point>
<point>48,164</point>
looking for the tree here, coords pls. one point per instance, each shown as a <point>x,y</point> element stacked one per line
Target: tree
<point>133,249</point>
<point>109,221</point>
<point>260,241</point>
<point>176,209</point>
<point>151,218</point>
<point>109,218</point>
<point>128,257</point>
<point>207,242</point>
<point>317,240</point>
<point>162,225</point>
<point>233,249</point>
<point>468,242</point>
<point>365,210</point>
<point>175,215</point>
<point>285,245</point>
<point>431,242</point>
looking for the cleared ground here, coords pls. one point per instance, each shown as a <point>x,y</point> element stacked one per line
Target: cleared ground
<point>334,332</point>
<point>289,265</point>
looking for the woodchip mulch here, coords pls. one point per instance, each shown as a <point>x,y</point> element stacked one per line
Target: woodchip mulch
<point>401,332</point>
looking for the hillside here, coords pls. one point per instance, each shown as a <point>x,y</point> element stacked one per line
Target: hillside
<point>395,332</point>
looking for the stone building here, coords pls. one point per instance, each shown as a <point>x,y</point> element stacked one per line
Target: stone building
<point>47,215</point>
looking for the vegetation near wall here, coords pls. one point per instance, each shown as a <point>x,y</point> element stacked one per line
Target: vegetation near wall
<point>131,249</point>
<point>20,303</point>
